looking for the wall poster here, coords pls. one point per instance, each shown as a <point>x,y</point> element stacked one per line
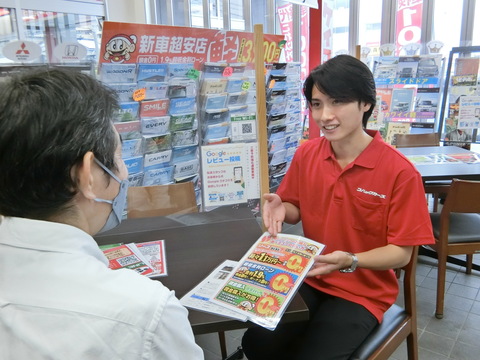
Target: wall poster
<point>230,173</point>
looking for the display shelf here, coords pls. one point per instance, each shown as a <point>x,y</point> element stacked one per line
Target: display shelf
<point>460,108</point>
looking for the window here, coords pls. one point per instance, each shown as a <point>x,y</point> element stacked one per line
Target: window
<point>370,25</point>
<point>340,26</point>
<point>8,29</point>
<point>476,25</point>
<point>237,21</point>
<point>447,23</point>
<point>216,13</point>
<point>48,29</point>
<point>196,10</point>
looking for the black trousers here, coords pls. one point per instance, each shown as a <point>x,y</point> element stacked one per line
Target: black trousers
<point>335,330</point>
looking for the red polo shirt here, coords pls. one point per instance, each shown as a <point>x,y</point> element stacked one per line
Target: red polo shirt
<point>376,200</point>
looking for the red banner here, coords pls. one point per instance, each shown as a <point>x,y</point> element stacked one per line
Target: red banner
<point>286,26</point>
<point>327,30</point>
<point>304,45</point>
<point>409,22</point>
<point>152,44</point>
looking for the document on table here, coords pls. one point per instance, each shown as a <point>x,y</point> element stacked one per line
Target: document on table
<point>199,297</point>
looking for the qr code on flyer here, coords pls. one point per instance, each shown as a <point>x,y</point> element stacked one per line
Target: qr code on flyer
<point>247,128</point>
<point>128,260</point>
<point>244,130</point>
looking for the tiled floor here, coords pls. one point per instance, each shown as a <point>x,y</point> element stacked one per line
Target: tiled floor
<point>456,336</point>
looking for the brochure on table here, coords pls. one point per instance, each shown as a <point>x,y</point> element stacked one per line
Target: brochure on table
<point>261,285</point>
<point>146,258</point>
<point>438,158</point>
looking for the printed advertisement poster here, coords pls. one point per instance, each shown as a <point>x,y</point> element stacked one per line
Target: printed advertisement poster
<point>227,172</point>
<point>267,277</point>
<point>469,112</point>
<point>153,44</point>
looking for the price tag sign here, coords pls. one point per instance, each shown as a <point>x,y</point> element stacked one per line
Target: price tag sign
<point>246,85</point>
<point>193,74</point>
<point>228,71</point>
<point>139,94</point>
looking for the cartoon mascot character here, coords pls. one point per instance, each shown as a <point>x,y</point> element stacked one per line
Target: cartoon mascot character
<point>119,47</point>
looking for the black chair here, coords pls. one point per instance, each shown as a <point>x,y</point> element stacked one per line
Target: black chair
<point>398,323</point>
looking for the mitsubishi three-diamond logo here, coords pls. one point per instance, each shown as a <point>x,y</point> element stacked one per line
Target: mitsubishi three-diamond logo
<point>22,50</point>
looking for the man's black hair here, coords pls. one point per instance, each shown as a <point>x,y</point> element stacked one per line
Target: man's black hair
<point>344,78</point>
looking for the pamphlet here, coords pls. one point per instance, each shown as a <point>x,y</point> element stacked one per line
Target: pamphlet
<point>145,258</point>
<point>264,281</point>
<point>432,159</point>
<point>154,253</point>
<point>199,297</point>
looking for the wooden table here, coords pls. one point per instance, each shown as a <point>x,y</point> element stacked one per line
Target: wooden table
<point>195,244</point>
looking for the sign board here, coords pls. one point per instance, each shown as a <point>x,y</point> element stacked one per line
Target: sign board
<point>153,44</point>
<point>70,52</point>
<point>22,51</point>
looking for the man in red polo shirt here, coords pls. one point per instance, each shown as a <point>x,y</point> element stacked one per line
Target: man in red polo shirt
<point>361,198</point>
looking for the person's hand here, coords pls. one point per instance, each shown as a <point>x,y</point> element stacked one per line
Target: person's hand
<point>273,213</point>
<point>326,264</point>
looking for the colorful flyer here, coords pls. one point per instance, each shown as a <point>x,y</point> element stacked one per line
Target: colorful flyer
<point>124,257</point>
<point>154,253</point>
<point>267,277</point>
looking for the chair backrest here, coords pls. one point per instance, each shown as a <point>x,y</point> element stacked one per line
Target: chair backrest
<point>398,324</point>
<point>409,286</point>
<point>417,140</point>
<point>463,197</point>
<point>161,200</point>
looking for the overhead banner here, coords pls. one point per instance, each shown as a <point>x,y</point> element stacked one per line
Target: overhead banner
<point>152,44</point>
<point>409,22</point>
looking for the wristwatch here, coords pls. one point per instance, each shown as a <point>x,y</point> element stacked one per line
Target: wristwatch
<point>353,266</point>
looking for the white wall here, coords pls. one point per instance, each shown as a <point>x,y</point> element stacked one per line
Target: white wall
<point>131,11</point>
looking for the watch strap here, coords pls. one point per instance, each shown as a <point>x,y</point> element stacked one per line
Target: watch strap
<point>352,267</point>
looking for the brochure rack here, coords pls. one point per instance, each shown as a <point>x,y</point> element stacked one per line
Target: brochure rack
<point>408,94</point>
<point>460,108</point>
<point>284,117</point>
<point>157,121</point>
<point>216,138</point>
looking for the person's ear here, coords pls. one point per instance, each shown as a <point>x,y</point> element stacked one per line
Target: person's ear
<point>84,176</point>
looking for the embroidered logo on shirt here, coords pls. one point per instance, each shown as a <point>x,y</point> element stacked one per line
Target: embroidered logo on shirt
<point>381,196</point>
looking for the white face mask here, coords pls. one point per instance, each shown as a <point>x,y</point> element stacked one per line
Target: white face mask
<point>118,203</point>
